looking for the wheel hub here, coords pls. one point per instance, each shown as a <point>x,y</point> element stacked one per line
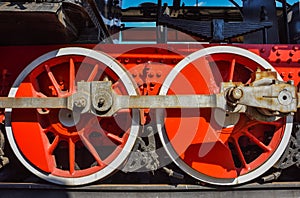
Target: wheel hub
<point>68,118</point>
<point>225,119</point>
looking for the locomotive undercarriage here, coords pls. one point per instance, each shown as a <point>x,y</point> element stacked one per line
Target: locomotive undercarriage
<point>191,113</point>
<point>251,115</point>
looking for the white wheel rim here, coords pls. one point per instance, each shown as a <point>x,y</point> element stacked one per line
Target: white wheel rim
<point>118,161</point>
<point>169,148</point>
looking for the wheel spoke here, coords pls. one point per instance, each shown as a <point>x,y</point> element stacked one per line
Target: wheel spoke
<point>71,155</point>
<point>124,111</point>
<point>43,110</point>
<point>244,125</point>
<point>92,150</point>
<point>115,85</point>
<point>276,124</point>
<point>231,70</point>
<point>93,74</point>
<point>54,144</point>
<point>34,82</point>
<point>41,95</point>
<point>248,81</point>
<point>72,76</point>
<point>240,154</point>
<point>258,142</point>
<point>115,137</point>
<point>53,81</point>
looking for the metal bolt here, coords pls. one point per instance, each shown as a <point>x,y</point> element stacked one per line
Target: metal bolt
<point>290,82</point>
<point>262,50</point>
<point>80,103</point>
<point>276,113</point>
<point>101,102</point>
<point>150,129</point>
<point>237,93</point>
<point>258,70</point>
<point>285,97</point>
<point>106,78</point>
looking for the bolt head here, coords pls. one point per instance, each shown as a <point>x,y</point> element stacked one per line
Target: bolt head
<point>101,102</point>
<point>80,103</point>
<point>237,93</point>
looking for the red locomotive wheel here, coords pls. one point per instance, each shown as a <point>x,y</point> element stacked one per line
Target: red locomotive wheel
<point>59,145</point>
<point>209,144</point>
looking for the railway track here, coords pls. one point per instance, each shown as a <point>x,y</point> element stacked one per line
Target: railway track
<point>278,189</point>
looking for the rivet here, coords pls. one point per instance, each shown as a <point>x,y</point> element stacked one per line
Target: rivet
<point>158,74</point>
<point>278,53</point>
<point>148,65</point>
<point>151,74</point>
<point>134,74</point>
<point>274,48</point>
<point>138,60</point>
<point>140,83</point>
<point>262,50</point>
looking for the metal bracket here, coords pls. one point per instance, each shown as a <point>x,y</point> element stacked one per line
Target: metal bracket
<point>143,156</point>
<point>291,155</point>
